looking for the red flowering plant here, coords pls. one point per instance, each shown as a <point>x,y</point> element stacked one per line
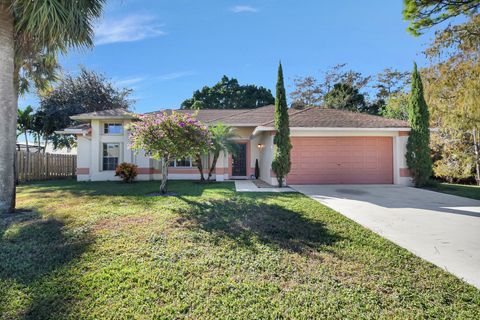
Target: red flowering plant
<point>166,137</point>
<point>126,171</point>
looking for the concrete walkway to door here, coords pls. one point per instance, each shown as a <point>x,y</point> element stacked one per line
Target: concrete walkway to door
<point>440,228</point>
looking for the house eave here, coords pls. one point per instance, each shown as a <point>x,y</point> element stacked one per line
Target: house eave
<point>86,118</point>
<point>264,128</point>
<point>71,131</point>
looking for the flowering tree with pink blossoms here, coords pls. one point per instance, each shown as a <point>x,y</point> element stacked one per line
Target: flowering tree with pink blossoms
<point>166,137</point>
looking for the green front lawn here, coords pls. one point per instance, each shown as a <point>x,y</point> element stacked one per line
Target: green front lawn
<point>462,190</point>
<point>105,250</point>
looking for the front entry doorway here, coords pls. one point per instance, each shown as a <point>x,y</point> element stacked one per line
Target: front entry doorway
<point>239,162</point>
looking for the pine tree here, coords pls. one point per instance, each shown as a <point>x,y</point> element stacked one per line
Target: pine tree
<point>281,160</point>
<point>418,150</point>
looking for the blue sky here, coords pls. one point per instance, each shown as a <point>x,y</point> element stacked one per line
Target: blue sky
<point>165,49</point>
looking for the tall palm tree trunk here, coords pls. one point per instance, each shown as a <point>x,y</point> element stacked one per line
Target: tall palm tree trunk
<point>26,142</point>
<point>28,152</point>
<point>8,110</point>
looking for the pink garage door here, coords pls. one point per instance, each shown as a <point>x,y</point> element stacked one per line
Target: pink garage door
<point>338,160</point>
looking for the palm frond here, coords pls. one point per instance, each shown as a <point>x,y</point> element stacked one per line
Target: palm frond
<point>56,24</point>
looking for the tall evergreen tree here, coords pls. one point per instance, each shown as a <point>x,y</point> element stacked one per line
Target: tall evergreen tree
<point>281,160</point>
<point>418,150</point>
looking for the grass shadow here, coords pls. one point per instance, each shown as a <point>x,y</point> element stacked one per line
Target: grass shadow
<point>33,251</point>
<point>247,221</point>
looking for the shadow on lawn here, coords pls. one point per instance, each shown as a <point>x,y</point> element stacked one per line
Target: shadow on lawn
<point>246,221</point>
<point>32,251</point>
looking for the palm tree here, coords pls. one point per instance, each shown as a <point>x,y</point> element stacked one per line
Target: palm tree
<point>24,123</point>
<point>31,35</point>
<point>222,140</point>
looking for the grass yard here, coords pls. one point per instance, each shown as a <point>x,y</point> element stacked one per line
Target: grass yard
<point>462,190</point>
<point>105,250</point>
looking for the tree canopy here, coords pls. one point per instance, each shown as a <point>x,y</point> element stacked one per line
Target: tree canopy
<point>344,96</point>
<point>229,94</point>
<point>452,87</point>
<point>166,137</point>
<point>424,14</point>
<point>87,92</point>
<point>310,91</point>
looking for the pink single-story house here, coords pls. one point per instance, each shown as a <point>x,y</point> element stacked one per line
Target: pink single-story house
<point>329,147</point>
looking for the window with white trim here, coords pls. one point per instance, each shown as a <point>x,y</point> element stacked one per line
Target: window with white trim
<point>181,163</point>
<point>112,128</point>
<point>111,154</point>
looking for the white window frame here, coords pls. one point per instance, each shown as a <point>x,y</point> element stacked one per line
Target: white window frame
<point>108,123</point>
<point>176,166</point>
<point>120,153</point>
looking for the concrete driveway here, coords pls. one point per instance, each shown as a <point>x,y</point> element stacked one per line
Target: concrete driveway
<point>437,227</point>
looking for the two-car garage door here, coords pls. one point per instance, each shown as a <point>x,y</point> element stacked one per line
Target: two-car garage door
<point>341,160</point>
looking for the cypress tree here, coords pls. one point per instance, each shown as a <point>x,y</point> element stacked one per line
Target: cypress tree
<point>418,149</point>
<point>281,159</point>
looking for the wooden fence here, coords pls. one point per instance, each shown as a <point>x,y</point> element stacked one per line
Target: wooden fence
<point>39,166</point>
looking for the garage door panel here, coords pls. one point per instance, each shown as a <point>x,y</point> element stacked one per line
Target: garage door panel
<point>331,160</point>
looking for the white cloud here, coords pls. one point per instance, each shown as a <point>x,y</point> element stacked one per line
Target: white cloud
<point>243,8</point>
<point>129,81</point>
<point>127,29</point>
<point>175,75</point>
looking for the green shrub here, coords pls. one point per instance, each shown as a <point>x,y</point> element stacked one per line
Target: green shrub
<point>126,171</point>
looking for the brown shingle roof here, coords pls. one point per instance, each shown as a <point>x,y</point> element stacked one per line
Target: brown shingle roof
<point>334,118</point>
<point>205,115</point>
<point>105,114</point>
<point>236,117</point>
<point>80,128</point>
<point>263,116</point>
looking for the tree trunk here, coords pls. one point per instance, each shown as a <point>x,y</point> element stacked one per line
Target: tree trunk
<point>280,181</point>
<point>44,145</point>
<point>39,145</point>
<point>163,184</point>
<point>200,167</point>
<point>26,141</point>
<point>477,155</point>
<point>214,164</point>
<point>8,111</point>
